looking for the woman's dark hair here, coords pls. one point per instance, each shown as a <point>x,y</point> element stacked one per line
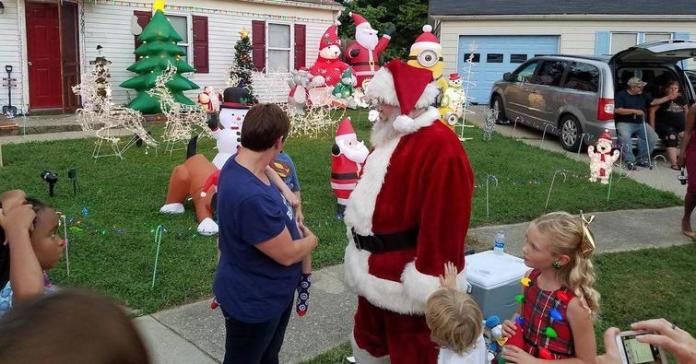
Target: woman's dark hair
<point>263,125</point>
<point>667,85</point>
<point>5,248</point>
<point>70,326</point>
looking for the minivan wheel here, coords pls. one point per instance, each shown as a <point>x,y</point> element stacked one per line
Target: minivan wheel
<point>571,133</point>
<point>498,106</point>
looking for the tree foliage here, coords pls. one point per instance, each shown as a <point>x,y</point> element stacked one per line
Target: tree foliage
<point>402,19</point>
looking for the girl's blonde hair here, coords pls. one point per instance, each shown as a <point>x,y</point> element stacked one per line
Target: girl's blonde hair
<point>569,235</point>
<point>454,319</point>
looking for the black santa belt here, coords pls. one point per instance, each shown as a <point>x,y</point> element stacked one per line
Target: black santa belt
<point>386,242</point>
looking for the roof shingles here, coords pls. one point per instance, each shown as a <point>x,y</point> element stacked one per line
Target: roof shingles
<point>570,7</point>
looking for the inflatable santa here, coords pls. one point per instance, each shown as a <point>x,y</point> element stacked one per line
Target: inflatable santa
<point>347,158</point>
<point>406,218</point>
<point>363,54</point>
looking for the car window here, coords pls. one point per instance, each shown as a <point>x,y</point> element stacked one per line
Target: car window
<point>525,73</point>
<point>582,77</point>
<point>655,77</point>
<point>550,73</point>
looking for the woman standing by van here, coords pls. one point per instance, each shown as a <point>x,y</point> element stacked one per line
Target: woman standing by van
<point>687,158</point>
<point>668,119</point>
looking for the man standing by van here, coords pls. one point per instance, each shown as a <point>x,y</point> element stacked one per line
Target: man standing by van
<point>631,107</point>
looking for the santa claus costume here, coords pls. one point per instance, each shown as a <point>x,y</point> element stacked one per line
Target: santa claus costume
<point>329,68</point>
<point>347,158</point>
<point>406,218</point>
<point>363,54</point>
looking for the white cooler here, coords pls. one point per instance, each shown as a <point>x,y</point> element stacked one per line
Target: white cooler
<point>495,281</point>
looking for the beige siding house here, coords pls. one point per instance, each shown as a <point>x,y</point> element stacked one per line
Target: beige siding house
<point>49,43</point>
<point>501,34</point>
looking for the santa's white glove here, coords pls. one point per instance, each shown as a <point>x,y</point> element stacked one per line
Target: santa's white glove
<point>373,116</point>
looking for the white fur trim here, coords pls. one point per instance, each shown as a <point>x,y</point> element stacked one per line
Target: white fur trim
<point>406,297</point>
<point>361,205</point>
<point>382,88</point>
<point>419,46</point>
<point>429,96</point>
<point>407,125</point>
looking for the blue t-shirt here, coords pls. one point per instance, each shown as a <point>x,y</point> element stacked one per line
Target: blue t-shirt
<point>250,286</point>
<point>284,166</point>
<point>627,101</point>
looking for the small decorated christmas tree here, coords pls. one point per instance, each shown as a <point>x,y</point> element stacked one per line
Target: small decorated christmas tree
<point>241,71</point>
<point>159,49</point>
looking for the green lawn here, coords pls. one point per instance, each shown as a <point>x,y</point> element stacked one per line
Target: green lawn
<point>115,251</point>
<point>645,284</point>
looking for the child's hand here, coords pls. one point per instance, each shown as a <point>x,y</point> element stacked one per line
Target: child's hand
<point>449,280</point>
<point>306,232</point>
<point>509,328</point>
<point>17,220</point>
<point>299,216</point>
<point>514,354</point>
<point>12,199</point>
<point>292,199</point>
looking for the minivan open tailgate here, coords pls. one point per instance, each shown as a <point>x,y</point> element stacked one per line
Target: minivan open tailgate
<point>669,52</point>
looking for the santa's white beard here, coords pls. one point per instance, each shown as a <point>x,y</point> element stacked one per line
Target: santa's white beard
<point>383,131</point>
<point>367,40</point>
<point>357,153</point>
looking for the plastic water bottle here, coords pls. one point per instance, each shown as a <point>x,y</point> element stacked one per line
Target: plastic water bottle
<point>499,244</point>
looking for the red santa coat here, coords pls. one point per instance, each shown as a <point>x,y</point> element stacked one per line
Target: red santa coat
<point>344,177</point>
<point>366,63</point>
<point>420,180</point>
<point>330,69</point>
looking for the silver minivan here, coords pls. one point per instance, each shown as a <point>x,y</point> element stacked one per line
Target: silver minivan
<point>573,96</point>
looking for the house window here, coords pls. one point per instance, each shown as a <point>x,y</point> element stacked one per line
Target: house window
<point>621,41</point>
<point>475,59</point>
<point>279,48</point>
<point>181,24</point>
<point>518,58</point>
<point>656,37</point>
<point>494,58</point>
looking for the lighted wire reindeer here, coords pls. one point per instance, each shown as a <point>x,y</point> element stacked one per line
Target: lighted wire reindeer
<point>183,121</point>
<point>99,115</point>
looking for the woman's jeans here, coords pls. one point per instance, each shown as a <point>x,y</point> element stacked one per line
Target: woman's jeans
<point>255,343</point>
<point>645,147</point>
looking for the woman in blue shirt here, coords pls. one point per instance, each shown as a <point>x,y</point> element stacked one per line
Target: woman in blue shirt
<point>261,245</point>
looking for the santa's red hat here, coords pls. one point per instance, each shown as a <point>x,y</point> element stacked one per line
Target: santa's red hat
<point>427,40</point>
<point>405,86</point>
<point>359,20</point>
<point>330,37</point>
<point>345,130</point>
<point>605,135</point>
<point>454,76</point>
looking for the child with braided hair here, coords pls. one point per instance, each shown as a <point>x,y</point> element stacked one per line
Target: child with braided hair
<point>558,303</point>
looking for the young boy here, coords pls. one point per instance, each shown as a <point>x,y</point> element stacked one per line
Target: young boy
<point>455,322</point>
<point>285,168</point>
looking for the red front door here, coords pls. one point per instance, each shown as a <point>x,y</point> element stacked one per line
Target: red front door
<point>43,50</point>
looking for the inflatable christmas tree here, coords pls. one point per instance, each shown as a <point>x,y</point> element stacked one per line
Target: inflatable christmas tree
<point>159,49</point>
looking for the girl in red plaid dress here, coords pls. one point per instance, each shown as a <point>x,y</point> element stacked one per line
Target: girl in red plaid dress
<point>558,303</point>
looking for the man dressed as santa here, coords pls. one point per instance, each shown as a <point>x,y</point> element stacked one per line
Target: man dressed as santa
<point>347,158</point>
<point>406,218</point>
